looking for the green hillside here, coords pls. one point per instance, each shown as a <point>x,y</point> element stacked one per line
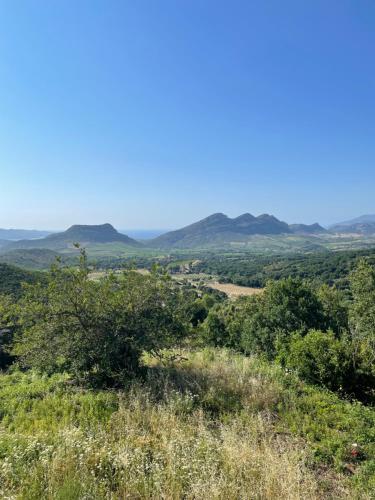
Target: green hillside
<point>219,230</point>
<point>307,228</point>
<point>33,258</point>
<point>11,279</point>
<point>86,235</point>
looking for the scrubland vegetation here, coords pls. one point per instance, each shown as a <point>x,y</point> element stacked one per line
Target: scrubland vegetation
<point>12,277</point>
<point>218,425</point>
<point>135,386</point>
<point>241,268</point>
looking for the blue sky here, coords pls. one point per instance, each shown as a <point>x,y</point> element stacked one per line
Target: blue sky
<point>155,113</point>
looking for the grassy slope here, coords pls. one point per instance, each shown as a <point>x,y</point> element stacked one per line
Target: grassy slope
<point>33,259</point>
<point>217,426</point>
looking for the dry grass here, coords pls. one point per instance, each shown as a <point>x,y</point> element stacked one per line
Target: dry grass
<point>200,432</point>
<point>234,291</point>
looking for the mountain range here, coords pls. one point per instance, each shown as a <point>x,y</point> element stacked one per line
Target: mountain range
<point>216,230</point>
<point>219,229</point>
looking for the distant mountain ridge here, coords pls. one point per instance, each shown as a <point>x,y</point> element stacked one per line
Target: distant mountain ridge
<point>361,219</point>
<point>83,234</point>
<point>22,234</point>
<point>364,225</point>
<point>307,228</point>
<point>219,229</point>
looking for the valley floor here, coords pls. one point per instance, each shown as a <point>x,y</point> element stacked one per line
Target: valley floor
<point>215,425</point>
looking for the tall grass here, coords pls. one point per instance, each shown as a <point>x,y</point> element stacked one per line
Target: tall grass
<point>208,428</point>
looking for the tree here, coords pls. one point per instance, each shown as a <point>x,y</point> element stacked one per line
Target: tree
<point>7,328</point>
<point>362,313</point>
<point>335,309</point>
<point>98,330</point>
<point>286,306</point>
<point>223,325</point>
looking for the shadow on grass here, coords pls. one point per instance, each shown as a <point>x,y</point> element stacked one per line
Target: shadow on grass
<point>192,388</point>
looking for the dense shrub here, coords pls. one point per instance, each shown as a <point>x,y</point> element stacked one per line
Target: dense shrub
<point>335,308</point>
<point>6,331</point>
<point>307,329</point>
<point>12,278</point>
<point>98,329</point>
<point>320,358</point>
<point>286,306</point>
<point>362,313</point>
<point>223,325</point>
<point>253,324</point>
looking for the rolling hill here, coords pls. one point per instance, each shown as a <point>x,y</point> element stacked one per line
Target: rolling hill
<point>86,235</point>
<point>220,230</point>
<point>307,228</point>
<point>33,258</point>
<point>22,234</point>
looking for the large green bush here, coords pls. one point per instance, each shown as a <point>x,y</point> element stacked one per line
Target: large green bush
<point>286,306</point>
<point>223,325</point>
<point>362,313</point>
<point>320,358</point>
<point>7,322</point>
<point>98,329</point>
<point>253,324</point>
<point>327,336</point>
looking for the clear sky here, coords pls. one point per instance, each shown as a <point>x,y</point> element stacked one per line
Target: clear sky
<point>155,113</point>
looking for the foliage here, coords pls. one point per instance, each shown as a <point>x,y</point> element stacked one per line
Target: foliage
<point>98,329</point>
<point>35,258</point>
<point>219,422</point>
<point>285,306</point>
<point>362,312</point>
<point>199,308</point>
<point>320,358</point>
<point>335,309</point>
<point>219,425</point>
<point>6,331</point>
<point>11,279</point>
<point>222,327</point>
<point>248,269</point>
<point>254,323</point>
<point>307,329</point>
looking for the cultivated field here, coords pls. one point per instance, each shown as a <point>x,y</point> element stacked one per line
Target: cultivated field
<point>234,290</point>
